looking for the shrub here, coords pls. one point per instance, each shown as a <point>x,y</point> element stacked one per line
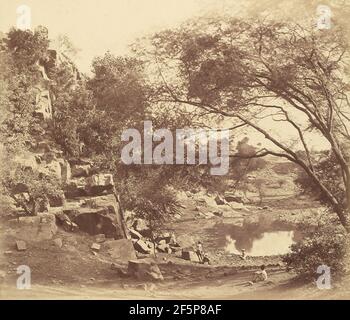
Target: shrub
<point>326,246</point>
<point>29,189</point>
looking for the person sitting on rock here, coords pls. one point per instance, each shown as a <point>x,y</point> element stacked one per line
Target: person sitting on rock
<point>199,251</point>
<point>260,275</point>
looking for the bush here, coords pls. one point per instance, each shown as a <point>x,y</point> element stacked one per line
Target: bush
<point>29,189</point>
<point>326,246</point>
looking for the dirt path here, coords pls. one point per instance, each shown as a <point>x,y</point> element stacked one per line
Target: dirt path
<point>234,287</point>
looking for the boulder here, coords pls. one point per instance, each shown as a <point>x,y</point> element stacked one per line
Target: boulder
<point>164,247</point>
<point>99,183</point>
<point>64,221</point>
<point>202,201</point>
<point>164,236</point>
<point>96,221</point>
<point>142,247</point>
<point>21,245</point>
<point>140,226</point>
<point>103,218</point>
<point>144,270</point>
<point>77,187</point>
<point>95,247</point>
<point>218,213</point>
<point>121,250</point>
<point>80,170</point>
<point>237,205</point>
<point>38,228</point>
<point>190,255</point>
<point>135,235</point>
<point>150,245</point>
<point>237,196</point>
<point>232,197</point>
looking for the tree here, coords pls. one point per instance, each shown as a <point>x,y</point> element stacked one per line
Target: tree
<point>244,163</point>
<point>29,189</point>
<point>246,72</point>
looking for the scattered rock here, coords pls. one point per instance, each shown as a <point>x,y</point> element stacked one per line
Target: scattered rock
<point>235,197</point>
<point>95,247</point>
<point>162,242</point>
<point>21,245</point>
<point>142,247</point>
<point>164,248</point>
<point>164,237</point>
<point>236,205</point>
<point>140,226</point>
<point>99,183</point>
<point>190,255</point>
<point>64,221</point>
<point>218,213</point>
<point>80,170</point>
<point>134,234</point>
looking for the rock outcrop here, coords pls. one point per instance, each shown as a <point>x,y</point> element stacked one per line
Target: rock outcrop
<point>38,228</point>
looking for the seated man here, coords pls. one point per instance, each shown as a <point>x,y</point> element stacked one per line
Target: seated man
<point>199,251</point>
<point>260,275</point>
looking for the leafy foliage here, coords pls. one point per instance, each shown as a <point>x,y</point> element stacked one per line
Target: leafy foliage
<point>327,246</point>
<point>330,173</point>
<point>30,189</point>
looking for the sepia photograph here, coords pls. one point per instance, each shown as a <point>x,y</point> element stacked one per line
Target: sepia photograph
<point>175,150</point>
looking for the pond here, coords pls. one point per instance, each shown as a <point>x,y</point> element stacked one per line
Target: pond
<point>266,244</point>
<point>256,239</point>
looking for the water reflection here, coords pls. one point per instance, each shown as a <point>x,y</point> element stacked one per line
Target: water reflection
<point>263,244</point>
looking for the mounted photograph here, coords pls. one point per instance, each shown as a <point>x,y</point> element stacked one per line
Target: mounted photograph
<point>175,150</point>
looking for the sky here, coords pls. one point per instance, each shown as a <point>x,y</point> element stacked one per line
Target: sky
<point>95,26</point>
<point>98,26</point>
